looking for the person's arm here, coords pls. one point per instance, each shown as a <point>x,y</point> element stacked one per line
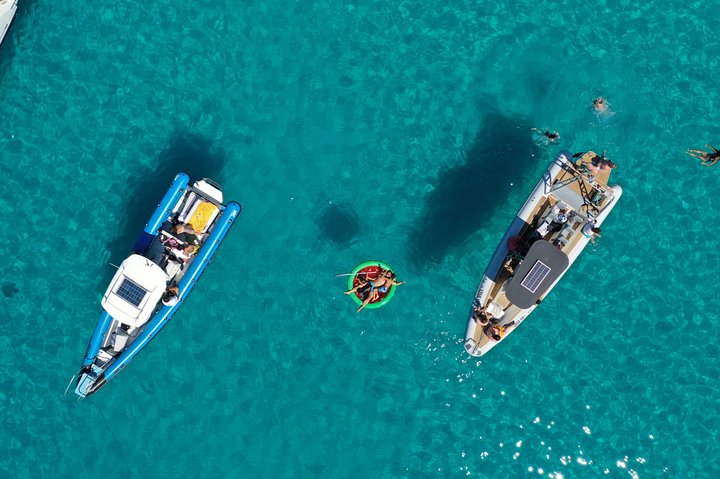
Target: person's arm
<point>395,283</point>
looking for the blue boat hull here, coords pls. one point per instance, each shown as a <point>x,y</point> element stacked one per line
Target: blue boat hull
<point>90,380</point>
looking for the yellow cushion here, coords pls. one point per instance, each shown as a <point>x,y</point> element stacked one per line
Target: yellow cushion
<point>202,216</point>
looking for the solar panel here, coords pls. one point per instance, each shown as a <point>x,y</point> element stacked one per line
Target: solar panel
<point>535,276</point>
<point>131,292</point>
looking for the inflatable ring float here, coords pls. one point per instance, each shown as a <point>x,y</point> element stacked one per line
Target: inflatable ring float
<point>369,270</point>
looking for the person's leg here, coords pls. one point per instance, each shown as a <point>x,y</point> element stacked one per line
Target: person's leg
<point>364,303</point>
<point>697,154</point>
<point>360,285</point>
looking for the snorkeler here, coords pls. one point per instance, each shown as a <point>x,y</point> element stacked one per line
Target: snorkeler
<point>707,158</point>
<point>551,136</point>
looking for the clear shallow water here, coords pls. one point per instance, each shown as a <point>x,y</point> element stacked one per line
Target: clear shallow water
<point>352,131</point>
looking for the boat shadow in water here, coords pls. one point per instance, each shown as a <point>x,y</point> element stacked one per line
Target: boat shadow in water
<point>187,152</point>
<point>465,196</point>
<point>338,223</point>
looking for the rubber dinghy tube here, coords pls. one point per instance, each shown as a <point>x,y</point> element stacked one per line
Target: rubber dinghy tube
<point>369,270</point>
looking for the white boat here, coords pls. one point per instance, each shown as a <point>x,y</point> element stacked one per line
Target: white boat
<point>547,235</point>
<point>7,12</point>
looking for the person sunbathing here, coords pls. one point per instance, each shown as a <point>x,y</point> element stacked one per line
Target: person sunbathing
<point>707,158</point>
<point>380,285</point>
<point>598,164</point>
<point>187,234</point>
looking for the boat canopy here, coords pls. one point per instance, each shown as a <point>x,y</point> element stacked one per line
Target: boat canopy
<point>135,290</point>
<point>542,266</point>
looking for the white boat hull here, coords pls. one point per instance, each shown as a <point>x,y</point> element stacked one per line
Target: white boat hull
<point>7,13</point>
<point>476,342</point>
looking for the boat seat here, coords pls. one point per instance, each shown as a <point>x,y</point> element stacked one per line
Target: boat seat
<point>172,267</point>
<point>566,234</point>
<point>121,339</point>
<point>495,309</point>
<point>510,315</point>
<point>568,197</point>
<point>200,214</point>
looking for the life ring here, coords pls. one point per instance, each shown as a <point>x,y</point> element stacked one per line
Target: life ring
<point>369,270</point>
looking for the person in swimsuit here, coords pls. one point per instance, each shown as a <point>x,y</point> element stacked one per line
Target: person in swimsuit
<point>171,296</point>
<point>707,158</point>
<point>364,280</point>
<point>481,316</point>
<point>388,282</point>
<point>362,289</point>
<point>551,136</point>
<point>495,332</point>
<point>378,286</point>
<point>187,234</point>
<point>591,231</point>
<point>598,164</point>
<point>600,104</point>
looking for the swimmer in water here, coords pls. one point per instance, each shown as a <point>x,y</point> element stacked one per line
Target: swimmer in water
<point>600,104</point>
<point>707,158</point>
<point>551,136</point>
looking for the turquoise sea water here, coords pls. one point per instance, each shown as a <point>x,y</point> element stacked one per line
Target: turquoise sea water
<point>350,131</point>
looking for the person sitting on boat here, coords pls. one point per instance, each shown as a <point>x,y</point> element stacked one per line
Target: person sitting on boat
<point>707,158</point>
<point>495,332</point>
<point>481,316</point>
<point>186,233</point>
<point>171,296</point>
<point>182,251</point>
<point>590,230</point>
<point>599,164</point>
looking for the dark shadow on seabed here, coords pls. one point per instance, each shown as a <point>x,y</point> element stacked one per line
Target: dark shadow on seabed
<point>466,195</point>
<point>339,223</point>
<point>187,152</point>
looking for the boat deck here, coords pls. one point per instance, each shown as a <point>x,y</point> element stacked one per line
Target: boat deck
<point>581,189</point>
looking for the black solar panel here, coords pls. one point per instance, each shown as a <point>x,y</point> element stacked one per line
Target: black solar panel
<point>131,292</point>
<point>535,276</point>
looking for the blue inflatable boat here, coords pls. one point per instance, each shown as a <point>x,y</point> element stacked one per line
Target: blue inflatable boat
<point>151,284</point>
